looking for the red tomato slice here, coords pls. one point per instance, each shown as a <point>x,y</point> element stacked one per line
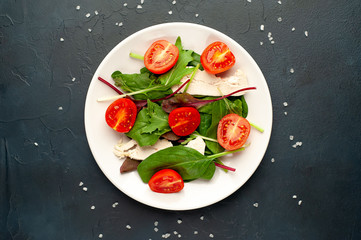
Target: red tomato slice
<point>217,58</point>
<point>121,115</point>
<point>161,56</point>
<point>233,131</point>
<point>183,121</point>
<point>166,181</point>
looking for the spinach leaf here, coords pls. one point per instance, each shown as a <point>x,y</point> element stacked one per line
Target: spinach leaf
<point>189,163</point>
<point>206,120</point>
<point>244,107</point>
<point>150,124</point>
<point>144,80</point>
<point>196,61</point>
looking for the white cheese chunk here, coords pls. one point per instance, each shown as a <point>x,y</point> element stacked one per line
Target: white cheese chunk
<point>129,148</point>
<point>204,83</point>
<point>197,144</point>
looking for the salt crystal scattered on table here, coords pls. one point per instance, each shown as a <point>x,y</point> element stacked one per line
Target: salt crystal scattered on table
<point>285,113</point>
<point>141,1</point>
<point>195,232</point>
<point>89,29</point>
<point>139,6</point>
<point>61,39</point>
<point>293,29</point>
<point>125,4</point>
<point>285,104</point>
<point>255,205</point>
<point>170,12</point>
<point>292,70</point>
<point>261,27</point>
<point>73,79</point>
<point>196,15</point>
<point>299,203</point>
<point>294,196</point>
<point>306,33</point>
<point>249,0</point>
<point>100,236</point>
<point>96,12</point>
<point>291,137</point>
<point>77,8</point>
<point>279,19</point>
<point>174,2</point>
<point>175,232</point>
<point>179,235</point>
<point>120,24</point>
<point>60,108</point>
<point>279,2</point>
<point>155,229</point>
<point>211,235</point>
<point>87,15</point>
<point>92,207</point>
<point>81,184</point>
<point>156,223</point>
<point>261,43</point>
<point>128,226</point>
<point>85,189</point>
<point>273,160</point>
<point>36,144</point>
<point>201,218</point>
<point>179,221</point>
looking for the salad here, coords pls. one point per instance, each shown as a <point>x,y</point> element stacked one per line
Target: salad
<point>159,116</point>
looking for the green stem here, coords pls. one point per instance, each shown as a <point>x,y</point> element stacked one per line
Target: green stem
<point>206,138</point>
<point>217,155</point>
<point>192,76</point>
<point>127,94</point>
<point>257,127</point>
<point>136,56</point>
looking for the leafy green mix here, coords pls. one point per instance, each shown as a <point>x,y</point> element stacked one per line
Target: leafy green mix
<point>152,121</point>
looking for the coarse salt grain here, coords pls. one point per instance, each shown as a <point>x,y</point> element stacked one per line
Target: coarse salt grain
<point>166,235</point>
<point>285,104</point>
<point>291,137</point>
<point>60,108</point>
<point>249,0</point>
<point>96,12</point>
<point>179,221</point>
<point>156,229</point>
<point>170,12</point>
<point>141,1</point>
<point>261,27</point>
<point>255,205</point>
<point>81,184</point>
<point>85,189</point>
<point>174,2</point>
<point>100,236</point>
<point>201,218</point>
<point>279,2</point>
<point>306,33</point>
<point>285,113</point>
<point>128,227</point>
<point>61,39</point>
<point>125,4</point>
<point>77,7</point>
<point>120,24</point>
<point>299,144</point>
<point>272,42</point>
<point>139,6</point>
<point>175,232</point>
<point>261,43</point>
<point>299,203</point>
<point>196,15</point>
<point>292,70</point>
<point>279,19</point>
<point>73,79</point>
<point>92,207</point>
<point>179,235</point>
<point>294,196</point>
<point>293,29</point>
<point>89,30</point>
<point>156,223</point>
<point>36,144</point>
<point>211,235</point>
<point>273,160</point>
<point>87,15</point>
<point>195,232</point>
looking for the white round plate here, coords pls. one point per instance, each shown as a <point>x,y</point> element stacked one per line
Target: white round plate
<point>198,193</point>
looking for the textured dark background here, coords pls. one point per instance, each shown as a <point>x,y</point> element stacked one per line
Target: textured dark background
<point>44,152</point>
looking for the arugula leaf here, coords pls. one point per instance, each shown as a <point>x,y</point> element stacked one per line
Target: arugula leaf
<point>173,76</point>
<point>189,163</point>
<point>149,125</point>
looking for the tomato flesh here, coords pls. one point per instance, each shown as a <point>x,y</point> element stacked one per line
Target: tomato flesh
<point>121,115</point>
<point>166,181</point>
<point>233,131</point>
<point>161,56</point>
<point>217,58</point>
<point>184,120</point>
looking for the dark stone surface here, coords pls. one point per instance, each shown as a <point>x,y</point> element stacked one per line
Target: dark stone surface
<point>39,193</point>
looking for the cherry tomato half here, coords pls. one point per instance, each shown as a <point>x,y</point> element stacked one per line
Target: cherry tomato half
<point>121,115</point>
<point>217,58</point>
<point>184,120</point>
<point>233,131</point>
<point>166,181</point>
<point>161,56</point>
